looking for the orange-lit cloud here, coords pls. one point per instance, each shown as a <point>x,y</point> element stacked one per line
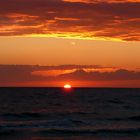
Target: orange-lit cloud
<point>52,72</point>
<point>14,75</point>
<point>59,72</point>
<point>99,19</point>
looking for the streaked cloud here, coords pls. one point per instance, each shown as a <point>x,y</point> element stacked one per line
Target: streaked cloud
<point>88,19</point>
<point>97,1</point>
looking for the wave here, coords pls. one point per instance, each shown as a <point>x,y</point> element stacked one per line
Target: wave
<point>40,116</point>
<point>71,132</point>
<point>131,118</point>
<point>22,115</point>
<point>63,115</point>
<point>130,131</point>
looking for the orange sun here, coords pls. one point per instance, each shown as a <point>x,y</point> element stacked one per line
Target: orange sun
<point>67,86</point>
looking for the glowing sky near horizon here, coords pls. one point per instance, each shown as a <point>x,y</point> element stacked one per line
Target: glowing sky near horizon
<point>70,32</point>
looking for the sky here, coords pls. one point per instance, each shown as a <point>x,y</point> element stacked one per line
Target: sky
<point>86,43</point>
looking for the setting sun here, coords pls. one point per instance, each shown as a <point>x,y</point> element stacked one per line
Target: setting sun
<point>67,86</point>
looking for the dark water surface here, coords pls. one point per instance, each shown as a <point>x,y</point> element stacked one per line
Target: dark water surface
<point>76,114</point>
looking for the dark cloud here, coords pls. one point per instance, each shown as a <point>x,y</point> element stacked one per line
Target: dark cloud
<point>108,1</point>
<point>18,73</point>
<point>120,74</point>
<point>119,20</point>
<point>15,73</point>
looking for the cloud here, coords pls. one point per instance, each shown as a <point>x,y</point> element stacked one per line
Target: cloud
<point>57,18</point>
<point>120,74</point>
<point>97,1</point>
<point>15,74</point>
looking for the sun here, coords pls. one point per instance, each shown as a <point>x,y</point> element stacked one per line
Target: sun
<point>67,86</point>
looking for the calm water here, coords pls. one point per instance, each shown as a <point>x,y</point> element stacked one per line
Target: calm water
<point>76,114</point>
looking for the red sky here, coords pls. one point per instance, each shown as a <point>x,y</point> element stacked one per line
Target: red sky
<point>100,19</point>
<point>83,42</point>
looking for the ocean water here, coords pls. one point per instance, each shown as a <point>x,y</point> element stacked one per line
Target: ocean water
<point>74,114</point>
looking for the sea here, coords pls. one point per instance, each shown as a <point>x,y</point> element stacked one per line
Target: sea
<point>69,114</point>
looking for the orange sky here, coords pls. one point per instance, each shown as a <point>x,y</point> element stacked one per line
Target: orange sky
<point>73,33</point>
<point>55,51</point>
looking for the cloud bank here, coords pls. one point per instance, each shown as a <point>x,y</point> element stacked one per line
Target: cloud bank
<point>10,74</point>
<point>91,19</point>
